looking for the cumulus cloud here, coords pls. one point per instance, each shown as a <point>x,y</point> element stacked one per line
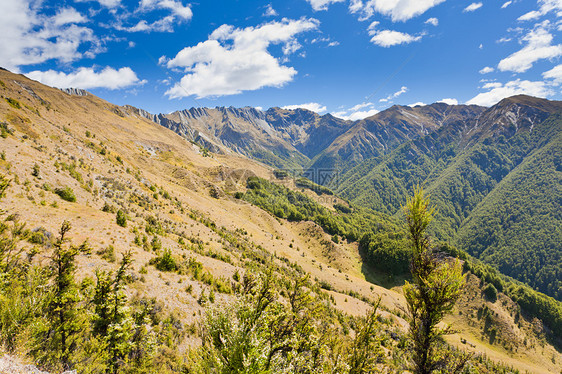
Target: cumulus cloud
<point>402,90</point>
<point>472,7</point>
<point>176,7</point>
<point>233,60</point>
<point>87,78</point>
<point>68,15</point>
<point>318,5</point>
<point>178,13</point>
<point>355,116</point>
<point>432,21</point>
<point>269,11</point>
<point>356,113</point>
<point>498,91</point>
<point>31,38</point>
<point>397,10</point>
<point>534,14</point>
<point>165,24</point>
<point>313,107</point>
<point>486,70</point>
<point>449,101</point>
<point>545,6</point>
<point>360,106</point>
<point>104,3</point>
<point>537,47</point>
<point>389,38</point>
<point>555,74</point>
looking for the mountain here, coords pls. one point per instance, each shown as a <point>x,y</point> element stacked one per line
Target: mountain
<point>201,228</point>
<point>278,137</point>
<point>373,137</point>
<point>496,178</point>
<point>459,152</point>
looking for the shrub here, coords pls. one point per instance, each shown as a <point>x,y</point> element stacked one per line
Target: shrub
<point>36,172</point>
<point>490,292</point>
<point>107,254</point>
<point>165,262</point>
<point>66,193</point>
<point>108,208</point>
<point>121,218</point>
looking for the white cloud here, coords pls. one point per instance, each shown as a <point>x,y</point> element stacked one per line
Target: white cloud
<point>506,4</point>
<point>176,7</point>
<point>472,7</point>
<point>432,21</point>
<point>233,60</point>
<point>88,78</point>
<point>397,10</point>
<point>165,24</point>
<point>318,5</point>
<point>402,90</point>
<point>31,38</point>
<point>486,70</point>
<point>538,47</point>
<point>105,3</point>
<point>555,74</point>
<point>545,7</point>
<point>498,91</point>
<point>355,116</point>
<point>419,103</point>
<point>360,106</point>
<point>313,107</point>
<point>534,14</point>
<point>355,113</point>
<point>68,15</point>
<point>449,101</point>
<point>269,11</point>
<point>388,38</point>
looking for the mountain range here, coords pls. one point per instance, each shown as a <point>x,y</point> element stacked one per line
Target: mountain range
<point>198,200</point>
<point>475,161</point>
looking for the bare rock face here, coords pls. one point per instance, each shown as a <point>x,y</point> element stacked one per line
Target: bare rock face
<point>75,91</point>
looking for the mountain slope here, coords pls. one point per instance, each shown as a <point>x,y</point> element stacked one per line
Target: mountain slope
<point>278,137</point>
<point>378,135</point>
<point>180,206</point>
<point>518,225</point>
<point>461,165</point>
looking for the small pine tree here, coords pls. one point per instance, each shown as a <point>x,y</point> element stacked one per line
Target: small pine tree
<point>64,316</point>
<point>437,284</point>
<point>126,337</point>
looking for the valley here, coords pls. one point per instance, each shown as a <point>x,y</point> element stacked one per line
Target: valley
<point>207,203</point>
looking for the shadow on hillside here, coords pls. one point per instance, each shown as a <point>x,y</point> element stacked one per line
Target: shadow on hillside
<point>381,278</point>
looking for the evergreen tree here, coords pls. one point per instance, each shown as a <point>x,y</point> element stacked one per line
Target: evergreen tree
<point>59,337</point>
<point>437,284</point>
<point>126,337</point>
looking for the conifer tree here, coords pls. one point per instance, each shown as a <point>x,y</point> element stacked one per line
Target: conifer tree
<point>437,284</point>
<point>58,338</point>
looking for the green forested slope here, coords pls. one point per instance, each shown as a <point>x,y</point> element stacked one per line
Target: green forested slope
<point>499,194</point>
<point>518,226</point>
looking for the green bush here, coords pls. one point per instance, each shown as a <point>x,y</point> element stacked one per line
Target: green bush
<point>121,218</point>
<point>490,292</point>
<point>165,262</point>
<point>66,193</point>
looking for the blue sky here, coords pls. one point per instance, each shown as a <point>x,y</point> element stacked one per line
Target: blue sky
<point>351,58</point>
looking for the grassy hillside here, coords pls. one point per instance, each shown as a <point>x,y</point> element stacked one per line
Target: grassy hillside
<point>126,185</point>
